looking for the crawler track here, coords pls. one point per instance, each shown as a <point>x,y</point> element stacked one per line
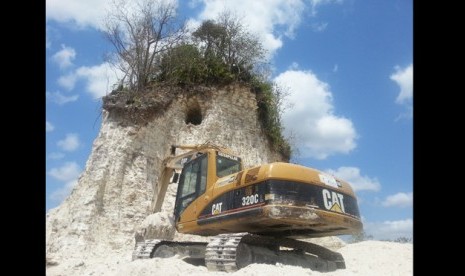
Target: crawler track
<point>231,252</point>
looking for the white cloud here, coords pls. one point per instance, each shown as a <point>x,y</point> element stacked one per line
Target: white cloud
<point>98,79</point>
<point>48,41</point>
<point>356,180</point>
<point>316,3</point>
<point>310,117</point>
<point>60,194</point>
<point>194,3</point>
<point>60,99</point>
<point>319,26</point>
<point>81,12</point>
<point>269,19</point>
<point>68,81</point>
<point>294,66</point>
<point>404,78</point>
<point>56,155</point>
<point>389,229</point>
<point>70,143</point>
<point>69,171</point>
<point>49,126</point>
<point>399,200</point>
<point>64,58</point>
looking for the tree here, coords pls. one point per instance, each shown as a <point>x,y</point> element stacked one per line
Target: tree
<point>403,240</point>
<point>140,31</point>
<point>182,65</point>
<point>361,236</point>
<point>151,47</point>
<point>225,41</point>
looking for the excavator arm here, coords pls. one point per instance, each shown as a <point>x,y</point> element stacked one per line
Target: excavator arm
<point>171,165</point>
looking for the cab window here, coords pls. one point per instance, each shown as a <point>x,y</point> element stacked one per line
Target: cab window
<point>192,183</point>
<point>226,166</point>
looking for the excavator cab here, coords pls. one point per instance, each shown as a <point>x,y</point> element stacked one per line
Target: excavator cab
<point>204,168</point>
<point>216,195</point>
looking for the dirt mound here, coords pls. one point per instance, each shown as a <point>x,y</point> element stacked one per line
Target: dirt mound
<point>364,258</point>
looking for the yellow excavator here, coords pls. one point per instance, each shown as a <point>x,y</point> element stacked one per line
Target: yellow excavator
<point>255,215</point>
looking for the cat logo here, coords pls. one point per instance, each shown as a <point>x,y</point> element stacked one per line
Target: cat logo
<point>216,208</point>
<point>333,201</point>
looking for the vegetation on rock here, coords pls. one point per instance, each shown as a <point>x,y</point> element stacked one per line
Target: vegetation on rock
<point>160,59</point>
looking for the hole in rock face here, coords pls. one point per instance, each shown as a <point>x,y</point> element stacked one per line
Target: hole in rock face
<point>193,114</point>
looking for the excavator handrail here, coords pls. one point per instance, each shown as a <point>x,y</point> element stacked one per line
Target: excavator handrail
<point>206,145</point>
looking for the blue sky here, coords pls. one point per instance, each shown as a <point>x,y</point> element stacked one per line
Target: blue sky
<point>347,64</point>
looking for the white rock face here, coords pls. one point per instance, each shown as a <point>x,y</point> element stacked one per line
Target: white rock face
<point>92,232</point>
<point>159,225</point>
<point>114,193</point>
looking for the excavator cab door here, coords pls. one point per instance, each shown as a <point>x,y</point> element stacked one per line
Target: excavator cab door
<point>192,184</point>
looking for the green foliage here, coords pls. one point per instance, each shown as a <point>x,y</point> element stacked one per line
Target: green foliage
<point>403,240</point>
<point>270,115</point>
<point>217,72</point>
<point>225,42</point>
<point>140,31</point>
<point>222,52</point>
<point>182,65</point>
<point>213,36</point>
<point>359,237</point>
<point>363,236</point>
<point>185,65</point>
